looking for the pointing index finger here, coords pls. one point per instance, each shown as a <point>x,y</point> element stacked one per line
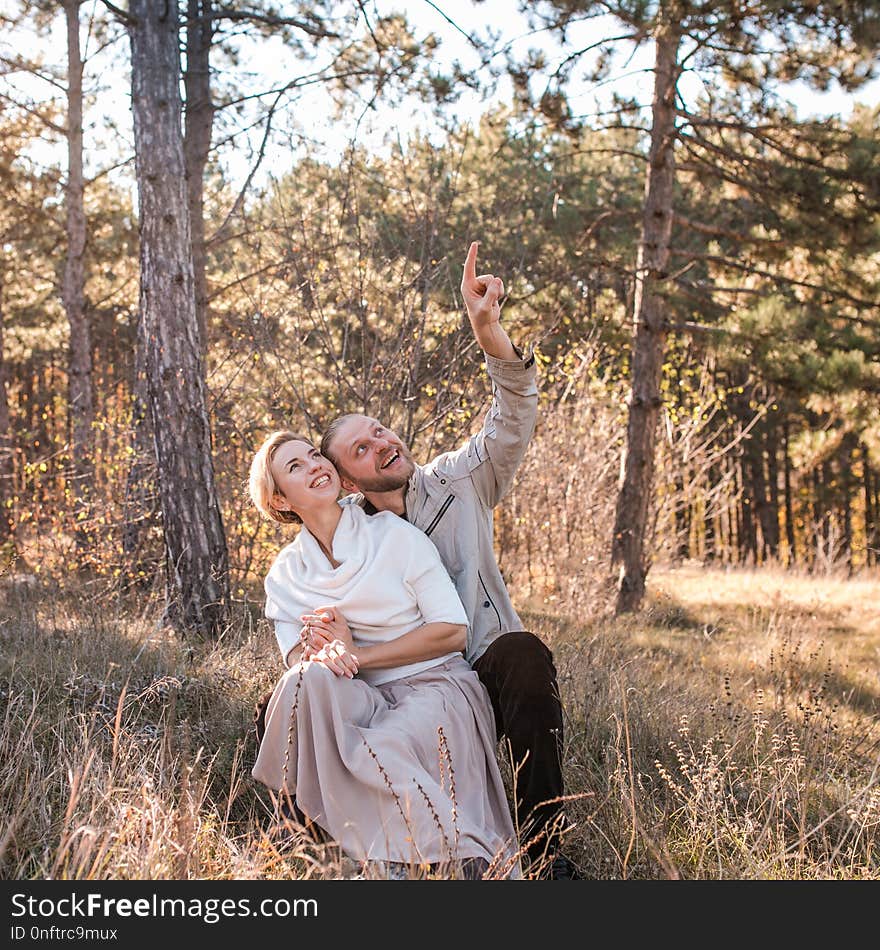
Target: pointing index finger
<point>470,263</point>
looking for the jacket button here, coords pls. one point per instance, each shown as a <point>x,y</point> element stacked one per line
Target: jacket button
<point>442,481</point>
<point>485,603</point>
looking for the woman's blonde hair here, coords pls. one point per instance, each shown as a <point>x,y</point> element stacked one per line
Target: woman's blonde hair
<point>261,483</point>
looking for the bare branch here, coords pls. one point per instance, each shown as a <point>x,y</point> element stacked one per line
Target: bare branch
<point>221,232</point>
<point>123,15</point>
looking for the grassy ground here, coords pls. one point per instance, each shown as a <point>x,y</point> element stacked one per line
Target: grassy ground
<point>731,730</point>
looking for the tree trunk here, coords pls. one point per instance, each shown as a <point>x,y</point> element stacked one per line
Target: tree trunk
<point>710,542</point>
<point>682,516</point>
<point>79,373</point>
<point>772,458</point>
<point>846,460</point>
<point>197,580</point>
<point>141,501</point>
<point>736,522</point>
<point>789,504</point>
<point>649,332</point>
<point>817,516</point>
<point>7,493</point>
<point>828,514</point>
<point>199,120</point>
<point>870,510</point>
<point>762,516</point>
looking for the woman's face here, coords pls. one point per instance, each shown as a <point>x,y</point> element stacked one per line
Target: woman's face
<point>304,479</point>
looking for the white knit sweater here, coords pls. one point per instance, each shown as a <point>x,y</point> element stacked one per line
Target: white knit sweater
<point>390,580</point>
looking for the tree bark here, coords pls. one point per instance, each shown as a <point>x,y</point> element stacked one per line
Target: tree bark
<point>7,472</point>
<point>199,120</point>
<point>141,501</point>
<point>197,580</point>
<point>710,542</point>
<point>772,460</point>
<point>870,510</point>
<point>649,329</point>
<point>846,459</point>
<point>828,514</point>
<point>818,516</point>
<point>79,373</point>
<point>682,517</point>
<point>790,532</point>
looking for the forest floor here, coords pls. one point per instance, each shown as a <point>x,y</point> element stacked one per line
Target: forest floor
<point>729,730</point>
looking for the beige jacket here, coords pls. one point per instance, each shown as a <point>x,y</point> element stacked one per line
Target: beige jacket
<point>451,500</point>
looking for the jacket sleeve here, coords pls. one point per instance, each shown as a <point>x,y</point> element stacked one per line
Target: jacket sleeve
<point>491,457</point>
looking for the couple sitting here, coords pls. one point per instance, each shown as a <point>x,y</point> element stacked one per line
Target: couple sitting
<point>405,656</point>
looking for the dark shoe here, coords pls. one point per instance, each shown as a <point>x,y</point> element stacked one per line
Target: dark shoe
<point>473,869</point>
<point>563,870</point>
<point>260,716</point>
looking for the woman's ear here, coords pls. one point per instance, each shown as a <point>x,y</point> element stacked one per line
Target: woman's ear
<point>280,503</point>
<point>347,484</point>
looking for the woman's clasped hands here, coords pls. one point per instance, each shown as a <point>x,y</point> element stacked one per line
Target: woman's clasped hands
<point>327,640</point>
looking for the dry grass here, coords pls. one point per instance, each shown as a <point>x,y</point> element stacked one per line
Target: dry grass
<point>732,730</point>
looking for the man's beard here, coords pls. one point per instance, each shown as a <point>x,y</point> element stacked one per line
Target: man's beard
<point>381,482</point>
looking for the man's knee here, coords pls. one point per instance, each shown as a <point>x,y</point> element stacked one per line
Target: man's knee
<point>522,661</point>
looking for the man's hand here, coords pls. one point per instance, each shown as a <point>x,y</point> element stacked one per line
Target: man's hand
<point>482,297</point>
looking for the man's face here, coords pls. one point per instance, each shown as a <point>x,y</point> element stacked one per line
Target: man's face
<point>371,458</point>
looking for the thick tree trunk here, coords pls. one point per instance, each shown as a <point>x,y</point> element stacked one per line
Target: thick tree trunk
<point>790,532</point>
<point>197,559</point>
<point>141,494</point>
<point>650,328</point>
<point>199,120</point>
<point>7,472</point>
<point>79,373</point>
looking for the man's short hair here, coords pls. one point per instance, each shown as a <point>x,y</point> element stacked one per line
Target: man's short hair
<point>330,434</point>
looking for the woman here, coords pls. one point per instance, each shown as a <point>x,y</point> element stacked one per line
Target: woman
<point>385,736</point>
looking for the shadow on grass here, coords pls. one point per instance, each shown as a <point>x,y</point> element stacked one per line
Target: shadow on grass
<point>108,680</point>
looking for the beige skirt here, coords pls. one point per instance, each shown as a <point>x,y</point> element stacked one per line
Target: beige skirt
<point>404,771</point>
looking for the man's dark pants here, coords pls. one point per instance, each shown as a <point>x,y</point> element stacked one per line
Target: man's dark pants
<point>518,672</point>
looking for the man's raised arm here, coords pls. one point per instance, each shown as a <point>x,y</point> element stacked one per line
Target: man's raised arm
<point>482,296</point>
<point>491,457</point>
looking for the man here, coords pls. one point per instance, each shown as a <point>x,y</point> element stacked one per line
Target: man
<point>451,500</point>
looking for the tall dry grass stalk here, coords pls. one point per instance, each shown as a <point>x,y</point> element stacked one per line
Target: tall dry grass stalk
<point>732,730</point>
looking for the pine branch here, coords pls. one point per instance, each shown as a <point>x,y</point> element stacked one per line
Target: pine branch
<point>452,23</point>
<point>20,65</point>
<point>30,110</point>
<point>715,231</point>
<point>831,292</point>
<point>255,16</point>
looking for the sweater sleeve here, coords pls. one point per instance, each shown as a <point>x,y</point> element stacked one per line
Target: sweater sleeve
<point>281,609</point>
<point>426,577</point>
